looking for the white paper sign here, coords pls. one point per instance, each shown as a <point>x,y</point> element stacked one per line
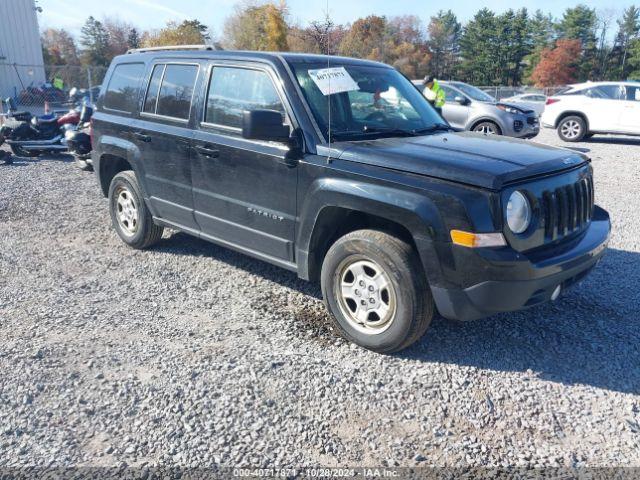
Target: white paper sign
<point>333,80</point>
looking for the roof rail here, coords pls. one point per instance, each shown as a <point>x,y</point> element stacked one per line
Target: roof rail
<point>172,47</point>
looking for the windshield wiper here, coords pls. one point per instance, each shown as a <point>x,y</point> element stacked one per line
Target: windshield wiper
<point>387,131</point>
<point>436,127</point>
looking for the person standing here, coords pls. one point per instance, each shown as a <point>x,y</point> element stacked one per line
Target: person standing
<point>434,93</point>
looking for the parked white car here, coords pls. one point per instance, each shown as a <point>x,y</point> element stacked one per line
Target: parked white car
<point>585,109</point>
<point>532,101</point>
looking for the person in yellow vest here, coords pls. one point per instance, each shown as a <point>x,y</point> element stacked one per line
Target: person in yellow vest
<point>434,93</point>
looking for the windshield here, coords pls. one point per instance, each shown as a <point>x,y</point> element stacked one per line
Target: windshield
<point>376,101</point>
<point>474,93</point>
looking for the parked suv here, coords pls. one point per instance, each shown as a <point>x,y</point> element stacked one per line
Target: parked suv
<point>309,168</point>
<point>470,108</point>
<point>583,110</point>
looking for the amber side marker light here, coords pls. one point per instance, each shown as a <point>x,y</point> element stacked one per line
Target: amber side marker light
<point>475,240</point>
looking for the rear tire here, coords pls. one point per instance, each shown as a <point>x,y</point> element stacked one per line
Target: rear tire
<point>488,128</point>
<point>572,129</point>
<point>374,287</point>
<point>130,216</point>
<point>18,151</point>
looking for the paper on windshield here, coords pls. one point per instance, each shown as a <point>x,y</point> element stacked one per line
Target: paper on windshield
<point>333,80</point>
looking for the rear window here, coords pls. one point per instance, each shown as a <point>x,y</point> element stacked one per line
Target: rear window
<point>122,90</point>
<point>171,90</point>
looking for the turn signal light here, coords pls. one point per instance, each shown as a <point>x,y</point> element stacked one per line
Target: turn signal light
<point>476,240</point>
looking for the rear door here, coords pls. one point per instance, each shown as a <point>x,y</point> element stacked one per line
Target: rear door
<point>244,191</point>
<point>603,107</point>
<point>454,113</point>
<point>630,115</point>
<point>163,135</point>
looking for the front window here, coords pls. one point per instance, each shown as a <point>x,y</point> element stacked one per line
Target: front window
<point>377,101</point>
<point>475,93</point>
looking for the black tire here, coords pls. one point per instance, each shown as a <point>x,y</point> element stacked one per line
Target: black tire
<point>572,129</point>
<point>138,231</point>
<point>18,151</point>
<point>83,164</point>
<point>489,128</point>
<point>414,307</point>
<point>588,136</point>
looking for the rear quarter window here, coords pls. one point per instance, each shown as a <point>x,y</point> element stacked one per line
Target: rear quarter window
<point>171,90</point>
<point>122,90</point>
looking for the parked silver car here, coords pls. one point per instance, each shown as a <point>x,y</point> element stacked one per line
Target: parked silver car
<point>472,109</point>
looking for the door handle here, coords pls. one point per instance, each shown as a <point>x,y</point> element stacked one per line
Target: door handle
<point>142,137</point>
<point>207,151</point>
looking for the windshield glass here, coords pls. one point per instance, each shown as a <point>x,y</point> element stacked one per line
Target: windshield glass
<point>475,93</point>
<point>376,101</point>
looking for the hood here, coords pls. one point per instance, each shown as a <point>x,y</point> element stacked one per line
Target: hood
<point>465,157</point>
<point>518,107</point>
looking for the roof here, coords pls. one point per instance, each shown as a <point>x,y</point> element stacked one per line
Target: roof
<point>596,84</point>
<point>289,57</point>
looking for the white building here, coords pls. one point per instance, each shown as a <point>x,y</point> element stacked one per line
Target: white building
<point>21,62</point>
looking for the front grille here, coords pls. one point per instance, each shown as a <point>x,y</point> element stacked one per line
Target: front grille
<point>567,209</point>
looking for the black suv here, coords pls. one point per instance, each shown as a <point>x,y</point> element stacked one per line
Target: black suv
<point>339,169</point>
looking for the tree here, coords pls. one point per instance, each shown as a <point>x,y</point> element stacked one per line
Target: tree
<point>321,36</point>
<point>366,38</point>
<point>95,42</point>
<point>406,45</point>
<point>558,66</point>
<point>257,27</point>
<point>444,43</point>
<point>580,23</point>
<point>133,39</point>
<point>118,33</point>
<point>628,31</point>
<point>542,36</point>
<point>59,47</point>
<point>478,49</point>
<point>189,32</point>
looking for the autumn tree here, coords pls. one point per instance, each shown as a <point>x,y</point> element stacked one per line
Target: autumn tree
<point>189,32</point>
<point>257,27</point>
<point>580,23</point>
<point>366,38</point>
<point>558,66</point>
<point>542,37</point>
<point>320,36</point>
<point>59,47</point>
<point>118,32</point>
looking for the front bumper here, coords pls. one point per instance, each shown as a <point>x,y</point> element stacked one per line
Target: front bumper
<point>516,281</point>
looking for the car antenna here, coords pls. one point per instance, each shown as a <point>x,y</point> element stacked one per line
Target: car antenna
<point>328,40</point>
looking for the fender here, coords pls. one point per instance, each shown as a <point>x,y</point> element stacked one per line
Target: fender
<point>414,211</point>
<point>484,118</point>
<point>118,147</point>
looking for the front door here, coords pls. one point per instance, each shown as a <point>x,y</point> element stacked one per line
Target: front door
<point>244,191</point>
<point>454,113</point>
<point>163,136</point>
<point>630,115</point>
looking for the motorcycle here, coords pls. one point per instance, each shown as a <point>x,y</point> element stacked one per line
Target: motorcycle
<point>79,144</point>
<point>30,136</point>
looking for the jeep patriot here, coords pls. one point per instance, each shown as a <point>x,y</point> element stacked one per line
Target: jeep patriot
<point>338,169</point>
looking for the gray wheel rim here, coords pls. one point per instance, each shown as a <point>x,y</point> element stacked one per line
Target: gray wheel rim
<point>366,296</point>
<point>570,129</point>
<point>486,128</point>
<point>127,212</point>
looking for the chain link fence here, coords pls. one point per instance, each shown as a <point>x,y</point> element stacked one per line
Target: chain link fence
<point>42,88</point>
<point>502,92</point>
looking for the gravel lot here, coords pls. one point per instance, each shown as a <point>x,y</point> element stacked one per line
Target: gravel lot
<point>192,355</point>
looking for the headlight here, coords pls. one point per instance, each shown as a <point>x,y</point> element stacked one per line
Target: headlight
<point>518,212</point>
<point>508,109</point>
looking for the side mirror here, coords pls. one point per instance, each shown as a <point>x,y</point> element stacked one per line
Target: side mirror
<point>265,125</point>
<point>461,100</point>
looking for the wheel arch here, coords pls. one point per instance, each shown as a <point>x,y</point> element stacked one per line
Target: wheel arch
<point>115,155</point>
<point>475,122</point>
<point>336,207</point>
<point>572,113</point>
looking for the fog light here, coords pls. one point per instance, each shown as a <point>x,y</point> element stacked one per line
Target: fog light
<point>556,293</point>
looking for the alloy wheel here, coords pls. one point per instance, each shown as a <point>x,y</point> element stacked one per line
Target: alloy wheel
<point>570,129</point>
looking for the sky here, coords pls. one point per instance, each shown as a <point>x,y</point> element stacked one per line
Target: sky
<point>149,14</point>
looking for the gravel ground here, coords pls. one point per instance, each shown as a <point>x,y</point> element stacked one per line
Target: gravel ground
<point>192,355</point>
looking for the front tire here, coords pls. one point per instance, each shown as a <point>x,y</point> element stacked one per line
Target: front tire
<point>18,151</point>
<point>572,129</point>
<point>488,128</point>
<point>130,216</point>
<point>374,287</point>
